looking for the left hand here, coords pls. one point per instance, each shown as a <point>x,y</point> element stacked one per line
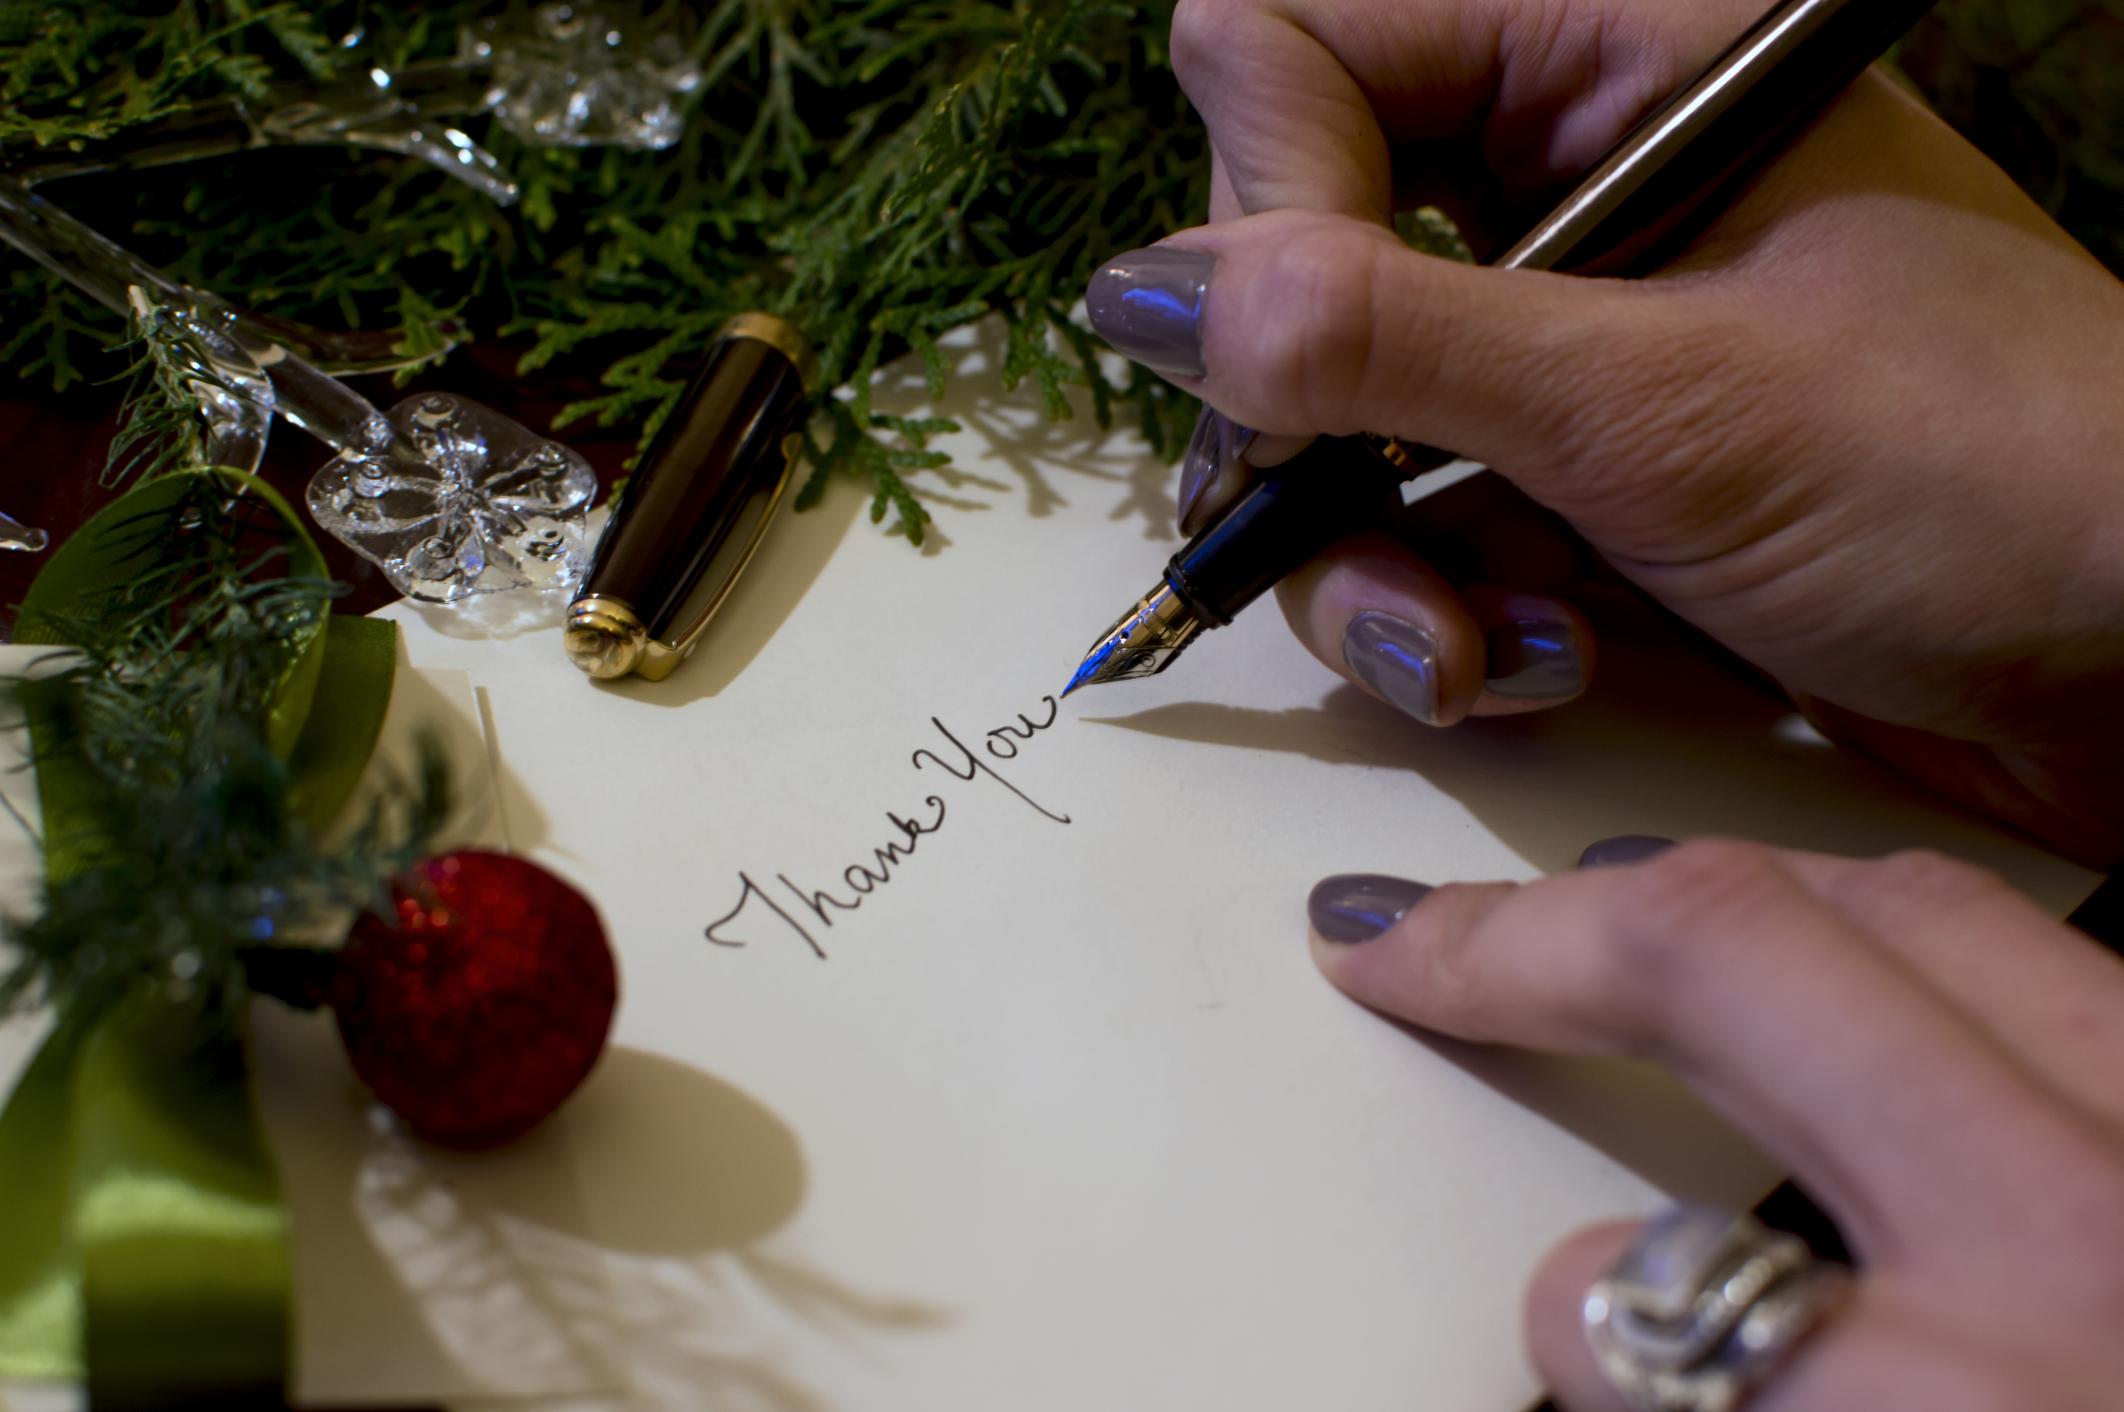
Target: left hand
<point>1935,1059</point>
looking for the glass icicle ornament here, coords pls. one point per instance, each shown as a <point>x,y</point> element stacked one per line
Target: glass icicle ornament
<point>16,535</point>
<point>565,76</point>
<point>447,497</point>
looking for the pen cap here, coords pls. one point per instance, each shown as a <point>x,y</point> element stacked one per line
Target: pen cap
<point>696,505</point>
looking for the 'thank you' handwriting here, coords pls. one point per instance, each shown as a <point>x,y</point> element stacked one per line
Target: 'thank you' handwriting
<point>817,907</point>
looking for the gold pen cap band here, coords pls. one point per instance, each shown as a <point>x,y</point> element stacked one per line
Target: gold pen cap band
<point>781,335</point>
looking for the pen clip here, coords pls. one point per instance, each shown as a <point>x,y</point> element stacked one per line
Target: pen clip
<point>661,656</point>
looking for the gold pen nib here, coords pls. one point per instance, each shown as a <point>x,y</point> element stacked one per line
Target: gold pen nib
<point>1143,644</point>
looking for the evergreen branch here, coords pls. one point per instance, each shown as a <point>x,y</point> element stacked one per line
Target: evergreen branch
<point>880,171</point>
<point>162,725</point>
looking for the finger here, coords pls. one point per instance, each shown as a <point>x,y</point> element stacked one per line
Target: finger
<point>1484,529</point>
<point>1314,323</point>
<point>1221,455</point>
<point>2039,989</point>
<point>1213,469</point>
<point>1554,1316</point>
<point>1870,1355</point>
<point>1376,614</point>
<point>1291,124</point>
<point>1223,458</point>
<point>1538,651</point>
<point>1714,959</point>
<point>1379,615</point>
<point>1621,405</point>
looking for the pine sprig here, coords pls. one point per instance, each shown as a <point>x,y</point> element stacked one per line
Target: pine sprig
<point>81,71</point>
<point>159,427</point>
<point>160,725</point>
<point>184,846</point>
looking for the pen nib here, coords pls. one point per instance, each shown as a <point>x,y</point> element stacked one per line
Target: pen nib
<point>1143,644</point>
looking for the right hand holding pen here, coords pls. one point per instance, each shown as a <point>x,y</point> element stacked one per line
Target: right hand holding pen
<point>1865,431</point>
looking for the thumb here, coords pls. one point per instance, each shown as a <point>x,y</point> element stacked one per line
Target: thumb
<point>1299,322</point>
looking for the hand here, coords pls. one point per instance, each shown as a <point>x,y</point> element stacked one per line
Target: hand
<point>1865,432</point>
<point>1934,1058</point>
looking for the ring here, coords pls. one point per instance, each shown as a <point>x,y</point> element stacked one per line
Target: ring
<point>1702,1307</point>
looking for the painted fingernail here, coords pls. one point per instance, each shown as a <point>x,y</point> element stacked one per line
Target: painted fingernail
<point>1533,661</point>
<point>1148,305</point>
<point>1623,848</point>
<point>1359,906</point>
<point>1397,659</point>
<point>1213,469</point>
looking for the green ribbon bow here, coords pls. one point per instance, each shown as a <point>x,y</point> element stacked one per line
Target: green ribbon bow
<point>143,1244</point>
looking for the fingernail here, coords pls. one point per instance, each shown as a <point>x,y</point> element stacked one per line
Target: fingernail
<point>1213,469</point>
<point>1397,659</point>
<point>1623,848</point>
<point>1359,906</point>
<point>1533,661</point>
<point>1148,305</point>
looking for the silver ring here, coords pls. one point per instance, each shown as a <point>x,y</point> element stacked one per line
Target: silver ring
<point>1702,1307</point>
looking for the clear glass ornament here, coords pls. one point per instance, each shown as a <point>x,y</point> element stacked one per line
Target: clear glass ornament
<point>565,75</point>
<point>450,498</point>
<point>578,76</point>
<point>16,535</point>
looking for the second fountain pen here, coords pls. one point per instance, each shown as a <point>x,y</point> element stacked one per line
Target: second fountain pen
<point>1677,166</point>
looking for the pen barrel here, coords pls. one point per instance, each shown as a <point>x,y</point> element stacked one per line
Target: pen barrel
<point>1660,182</point>
<point>713,469</point>
<point>1315,498</point>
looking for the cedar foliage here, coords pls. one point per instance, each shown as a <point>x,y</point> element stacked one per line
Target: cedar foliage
<point>194,856</point>
<point>883,170</point>
<point>880,170</point>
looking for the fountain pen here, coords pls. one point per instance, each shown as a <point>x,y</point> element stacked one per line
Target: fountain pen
<point>1639,204</point>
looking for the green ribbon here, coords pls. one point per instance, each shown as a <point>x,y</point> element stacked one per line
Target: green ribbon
<point>143,1243</point>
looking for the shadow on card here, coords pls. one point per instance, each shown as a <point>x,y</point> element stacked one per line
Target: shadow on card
<point>427,1276</point>
<point>672,1161</point>
<point>1671,740</point>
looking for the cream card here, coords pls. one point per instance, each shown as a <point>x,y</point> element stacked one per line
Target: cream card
<point>982,1063</point>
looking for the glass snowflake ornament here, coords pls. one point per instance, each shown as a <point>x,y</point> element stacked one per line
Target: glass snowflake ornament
<point>450,498</point>
<point>578,76</point>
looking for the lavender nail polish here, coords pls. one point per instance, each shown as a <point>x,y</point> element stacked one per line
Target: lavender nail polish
<point>1351,907</point>
<point>1212,471</point>
<point>1533,661</point>
<point>1148,305</point>
<point>1397,659</point>
<point>1623,848</point>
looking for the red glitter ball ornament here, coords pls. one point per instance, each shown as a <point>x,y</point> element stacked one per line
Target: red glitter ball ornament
<point>482,1003</point>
